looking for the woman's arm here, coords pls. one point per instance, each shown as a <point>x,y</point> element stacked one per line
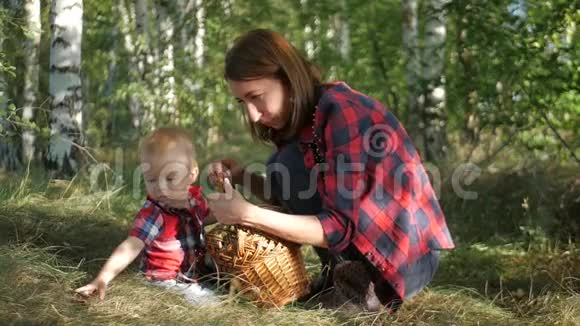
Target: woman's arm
<point>231,208</point>
<point>303,229</point>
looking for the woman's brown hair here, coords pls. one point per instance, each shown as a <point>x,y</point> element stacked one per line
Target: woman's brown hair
<point>263,53</point>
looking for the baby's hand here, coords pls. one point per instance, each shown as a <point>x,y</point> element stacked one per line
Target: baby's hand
<point>96,286</point>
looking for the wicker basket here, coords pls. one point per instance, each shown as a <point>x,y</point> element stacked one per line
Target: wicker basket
<point>269,271</point>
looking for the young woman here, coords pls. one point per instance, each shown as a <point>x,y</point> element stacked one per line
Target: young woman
<point>345,170</point>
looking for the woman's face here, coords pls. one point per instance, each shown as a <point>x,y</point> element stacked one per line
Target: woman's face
<point>266,100</point>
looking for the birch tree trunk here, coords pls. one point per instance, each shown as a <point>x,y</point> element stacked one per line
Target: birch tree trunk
<point>412,73</point>
<point>3,95</point>
<point>110,85</point>
<point>9,158</point>
<point>31,67</point>
<point>434,111</point>
<point>200,34</point>
<point>227,5</point>
<point>153,77</point>
<point>9,154</point>
<point>132,46</point>
<point>185,8</point>
<point>343,28</point>
<point>213,135</point>
<point>65,87</point>
<point>309,30</point>
<point>469,92</point>
<point>146,59</point>
<point>167,69</point>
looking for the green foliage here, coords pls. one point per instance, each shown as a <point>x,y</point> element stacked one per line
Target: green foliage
<point>516,69</point>
<point>513,69</point>
<point>6,69</point>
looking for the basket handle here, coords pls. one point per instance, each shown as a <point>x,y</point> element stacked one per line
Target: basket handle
<point>241,241</point>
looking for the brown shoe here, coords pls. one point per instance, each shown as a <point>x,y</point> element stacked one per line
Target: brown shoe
<point>353,290</point>
<point>353,281</point>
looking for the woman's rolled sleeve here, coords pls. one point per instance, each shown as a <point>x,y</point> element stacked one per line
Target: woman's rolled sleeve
<point>337,229</point>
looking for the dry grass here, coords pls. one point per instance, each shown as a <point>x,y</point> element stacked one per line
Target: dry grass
<point>55,237</point>
<point>37,288</point>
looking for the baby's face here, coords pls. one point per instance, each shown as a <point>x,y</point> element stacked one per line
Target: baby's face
<point>168,177</point>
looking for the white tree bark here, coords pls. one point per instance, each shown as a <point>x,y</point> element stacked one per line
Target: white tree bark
<point>471,124</point>
<point>9,155</point>
<point>167,69</point>
<point>228,5</point>
<point>31,67</point>
<point>127,14</point>
<point>309,31</point>
<point>146,60</point>
<point>142,16</point>
<point>412,72</point>
<point>3,85</point>
<point>65,87</point>
<point>125,26</point>
<point>199,58</point>
<point>199,34</point>
<point>9,158</point>
<point>434,112</point>
<point>343,27</point>
<point>185,7</point>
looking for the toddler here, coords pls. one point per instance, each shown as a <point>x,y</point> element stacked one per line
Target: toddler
<point>168,230</point>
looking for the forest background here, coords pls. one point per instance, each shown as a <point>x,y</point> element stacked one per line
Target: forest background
<point>489,91</point>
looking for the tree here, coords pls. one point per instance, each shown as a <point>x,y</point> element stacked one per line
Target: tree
<point>133,43</point>
<point>65,89</point>
<point>165,88</point>
<point>343,28</point>
<point>506,74</point>
<point>9,155</point>
<point>31,70</point>
<point>425,80</point>
<point>470,126</point>
<point>310,31</point>
<point>199,34</point>
<point>412,72</point>
<point>434,117</point>
<point>146,59</point>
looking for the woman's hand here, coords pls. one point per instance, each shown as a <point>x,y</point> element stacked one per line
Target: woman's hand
<point>97,286</point>
<point>229,207</point>
<point>225,169</point>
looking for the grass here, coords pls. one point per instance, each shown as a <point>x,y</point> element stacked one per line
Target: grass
<point>54,237</point>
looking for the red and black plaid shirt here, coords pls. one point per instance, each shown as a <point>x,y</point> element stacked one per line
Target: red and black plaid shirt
<point>375,191</point>
<point>173,238</point>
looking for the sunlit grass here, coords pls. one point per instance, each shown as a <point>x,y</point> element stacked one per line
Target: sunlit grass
<point>54,237</point>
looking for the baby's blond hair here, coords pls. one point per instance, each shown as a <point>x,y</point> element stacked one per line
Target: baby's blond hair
<point>167,138</point>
